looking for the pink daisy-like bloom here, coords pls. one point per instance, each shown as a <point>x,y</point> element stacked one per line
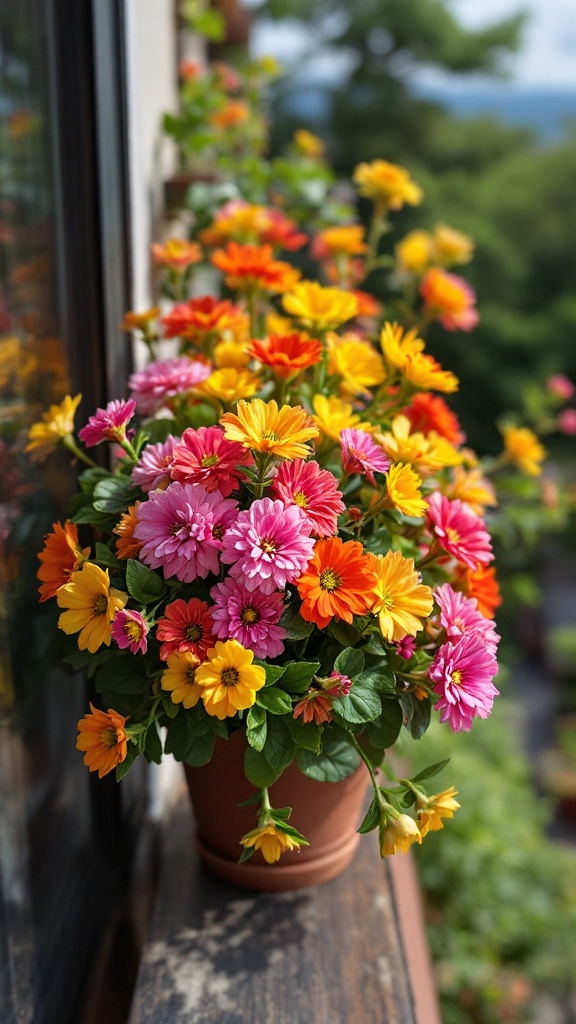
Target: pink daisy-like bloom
<point>459,530</point>
<point>130,629</point>
<point>248,616</point>
<point>186,626</point>
<point>269,545</point>
<point>108,424</point>
<point>206,457</point>
<point>313,490</point>
<point>361,454</point>
<point>405,647</point>
<point>181,530</point>
<point>460,617</point>
<point>462,674</point>
<point>153,469</point>
<point>158,382</point>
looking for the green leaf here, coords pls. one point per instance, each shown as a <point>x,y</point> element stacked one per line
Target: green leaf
<point>186,732</point>
<point>279,748</point>
<point>114,494</point>
<point>144,585</point>
<point>416,714</point>
<point>380,678</point>
<point>132,753</point>
<point>274,700</point>
<point>298,675</point>
<point>384,732</point>
<point>344,633</point>
<point>362,704</point>
<point>431,771</point>
<point>296,627</point>
<point>122,675</point>
<point>105,556</point>
<point>336,761</point>
<point>153,745</point>
<point>258,771</point>
<point>88,514</point>
<point>305,734</point>
<point>350,662</point>
<point>256,727</point>
<point>273,673</point>
<point>170,708</point>
<point>201,750</point>
<point>371,819</point>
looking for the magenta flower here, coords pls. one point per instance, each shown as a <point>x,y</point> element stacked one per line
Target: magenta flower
<point>361,454</point>
<point>130,629</point>
<point>158,382</point>
<point>567,421</point>
<point>269,545</point>
<point>340,685</point>
<point>459,530</point>
<point>181,530</point>
<point>108,424</point>
<point>153,469</point>
<point>560,385</point>
<point>249,616</point>
<point>405,647</point>
<point>462,674</point>
<point>313,490</point>
<point>206,457</point>
<point>460,617</point>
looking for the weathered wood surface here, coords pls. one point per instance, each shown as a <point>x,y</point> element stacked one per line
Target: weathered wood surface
<point>216,953</point>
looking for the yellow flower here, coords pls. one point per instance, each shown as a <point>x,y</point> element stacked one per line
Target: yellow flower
<point>320,308</point>
<point>91,605</point>
<point>432,809</point>
<point>472,488</point>
<point>308,143</point>
<point>414,251</point>
<point>402,602</point>
<point>425,454</point>
<point>399,346</point>
<point>356,362</point>
<point>230,384</point>
<point>271,841</point>
<point>263,427</point>
<point>398,834</point>
<point>231,354</point>
<point>522,447</point>
<point>276,324</point>
<point>423,372</point>
<point>44,437</point>
<point>388,185</point>
<point>179,678</point>
<point>333,415</point>
<point>403,491</point>
<point>228,679</point>
<point>451,247</point>
<point>345,239</point>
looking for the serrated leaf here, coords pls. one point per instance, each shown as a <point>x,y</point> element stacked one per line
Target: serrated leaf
<point>361,705</point>
<point>256,727</point>
<point>431,771</point>
<point>371,819</point>
<point>298,675</point>
<point>274,700</point>
<point>144,585</point>
<point>337,760</point>
<point>350,662</point>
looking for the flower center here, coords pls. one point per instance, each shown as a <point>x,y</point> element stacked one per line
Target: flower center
<point>388,600</point>
<point>457,677</point>
<point>100,605</point>
<point>218,531</point>
<point>300,499</point>
<point>133,630</point>
<point>109,738</point>
<point>194,632</point>
<point>269,435</point>
<point>208,461</point>
<point>452,535</point>
<point>330,580</point>
<point>191,675</point>
<point>230,676</point>
<point>249,615</point>
<point>267,545</point>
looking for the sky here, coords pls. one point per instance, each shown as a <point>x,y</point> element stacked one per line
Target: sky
<point>547,59</point>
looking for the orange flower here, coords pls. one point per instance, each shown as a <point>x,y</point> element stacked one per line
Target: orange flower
<point>341,240</point>
<point>368,305</point>
<point>61,556</point>
<point>251,267</point>
<point>336,583</point>
<point>233,113</point>
<point>286,355</point>
<point>139,321</point>
<point>177,253</point>
<point>102,737</point>
<point>449,299</point>
<point>308,143</point>
<point>430,413</point>
<point>480,583</point>
<point>201,318</point>
<point>127,546</point>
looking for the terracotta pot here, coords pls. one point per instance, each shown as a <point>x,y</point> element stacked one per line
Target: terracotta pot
<point>327,813</point>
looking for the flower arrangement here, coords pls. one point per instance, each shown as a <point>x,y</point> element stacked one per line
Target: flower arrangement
<point>290,538</point>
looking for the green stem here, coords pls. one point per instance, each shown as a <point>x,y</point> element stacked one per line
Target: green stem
<point>265,800</point>
<point>69,443</point>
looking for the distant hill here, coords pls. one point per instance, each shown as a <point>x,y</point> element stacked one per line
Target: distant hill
<point>548,111</point>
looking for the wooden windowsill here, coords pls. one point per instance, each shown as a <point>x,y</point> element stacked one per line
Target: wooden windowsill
<point>348,951</point>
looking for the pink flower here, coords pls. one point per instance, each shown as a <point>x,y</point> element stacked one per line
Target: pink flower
<point>269,545</point>
<point>567,421</point>
<point>459,530</point>
<point>130,629</point>
<point>405,647</point>
<point>181,529</point>
<point>186,626</point>
<point>361,454</point>
<point>462,675</point>
<point>249,616</point>
<point>206,457</point>
<point>153,386</point>
<point>313,490</point>
<point>460,617</point>
<point>560,385</point>
<point>108,424</point>
<point>340,685</point>
<point>153,469</point>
